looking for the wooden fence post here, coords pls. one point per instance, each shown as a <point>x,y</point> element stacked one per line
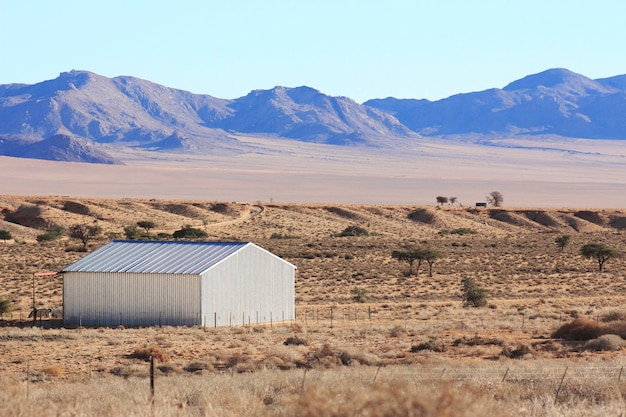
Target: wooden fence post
<point>152,378</point>
<point>558,390</point>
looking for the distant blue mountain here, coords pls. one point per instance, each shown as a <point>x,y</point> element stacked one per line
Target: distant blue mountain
<point>80,116</point>
<point>555,102</point>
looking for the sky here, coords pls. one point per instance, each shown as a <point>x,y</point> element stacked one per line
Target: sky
<point>362,49</point>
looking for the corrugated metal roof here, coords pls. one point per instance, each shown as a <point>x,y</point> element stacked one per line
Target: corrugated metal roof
<point>156,257</point>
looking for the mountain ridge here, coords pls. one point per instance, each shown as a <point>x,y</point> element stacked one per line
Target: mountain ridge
<point>131,113</point>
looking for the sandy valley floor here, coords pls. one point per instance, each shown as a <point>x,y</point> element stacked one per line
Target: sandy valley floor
<point>543,173</point>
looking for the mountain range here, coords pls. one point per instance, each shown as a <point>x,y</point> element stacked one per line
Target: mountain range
<point>82,116</point>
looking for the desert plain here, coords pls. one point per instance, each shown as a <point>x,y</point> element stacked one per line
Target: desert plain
<point>406,346</point>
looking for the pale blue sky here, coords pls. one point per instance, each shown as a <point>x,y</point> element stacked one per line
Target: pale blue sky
<point>360,49</point>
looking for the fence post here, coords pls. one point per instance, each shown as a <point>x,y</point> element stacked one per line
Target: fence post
<point>331,317</point>
<point>377,371</point>
<point>151,379</point>
<point>505,374</point>
<point>302,385</point>
<point>558,390</point>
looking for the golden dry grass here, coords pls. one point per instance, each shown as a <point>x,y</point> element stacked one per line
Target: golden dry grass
<point>534,288</point>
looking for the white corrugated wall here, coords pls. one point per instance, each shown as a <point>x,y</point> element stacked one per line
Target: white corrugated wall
<point>250,286</point>
<point>131,299</point>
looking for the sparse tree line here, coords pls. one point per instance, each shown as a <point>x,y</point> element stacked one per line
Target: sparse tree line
<point>87,233</point>
<point>495,198</point>
<point>472,293</point>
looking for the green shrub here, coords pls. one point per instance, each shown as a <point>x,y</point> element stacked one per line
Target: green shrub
<point>359,295</point>
<point>189,232</point>
<point>354,231</point>
<point>459,231</point>
<point>6,305</point>
<point>53,233</point>
<point>473,294</point>
<point>5,235</point>
<point>132,232</point>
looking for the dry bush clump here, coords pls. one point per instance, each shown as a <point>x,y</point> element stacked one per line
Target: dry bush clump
<point>53,370</point>
<point>615,315</point>
<point>154,351</point>
<point>579,329</point>
<point>606,342</point>
<point>517,353</point>
<point>434,345</point>
<point>295,340</point>
<point>197,366</point>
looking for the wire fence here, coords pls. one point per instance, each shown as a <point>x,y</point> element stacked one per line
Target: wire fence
<point>329,316</point>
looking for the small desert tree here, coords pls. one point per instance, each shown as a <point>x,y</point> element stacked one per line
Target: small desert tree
<point>410,256</point>
<point>599,252</point>
<point>452,200</point>
<point>473,294</point>
<point>562,241</point>
<point>431,256</point>
<point>84,232</point>
<point>5,235</point>
<point>442,200</point>
<point>495,198</point>
<point>146,225</point>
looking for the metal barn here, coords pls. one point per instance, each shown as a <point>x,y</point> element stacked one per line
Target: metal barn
<point>153,283</point>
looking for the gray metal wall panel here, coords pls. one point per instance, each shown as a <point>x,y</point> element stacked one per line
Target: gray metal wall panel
<point>131,299</point>
<point>251,286</point>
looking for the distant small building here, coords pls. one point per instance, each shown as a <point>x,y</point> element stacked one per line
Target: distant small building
<point>151,283</point>
<point>481,204</point>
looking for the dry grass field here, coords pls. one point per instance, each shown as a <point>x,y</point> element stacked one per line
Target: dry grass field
<point>409,348</point>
